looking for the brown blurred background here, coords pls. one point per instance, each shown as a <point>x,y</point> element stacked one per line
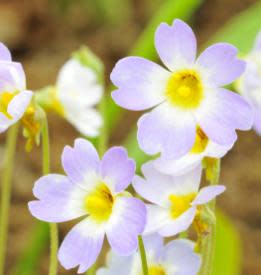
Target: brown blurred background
<point>42,34</point>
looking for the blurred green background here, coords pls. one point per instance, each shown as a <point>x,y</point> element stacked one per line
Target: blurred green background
<point>42,34</point>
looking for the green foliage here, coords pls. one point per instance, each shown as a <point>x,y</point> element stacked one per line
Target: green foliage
<point>228,252</point>
<point>38,241</point>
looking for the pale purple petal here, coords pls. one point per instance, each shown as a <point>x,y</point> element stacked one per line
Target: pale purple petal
<point>4,53</point>
<point>126,223</point>
<point>208,193</point>
<point>141,83</point>
<point>81,246</point>
<point>166,130</point>
<point>178,253</point>
<point>118,168</point>
<point>153,244</point>
<point>176,44</point>
<point>19,104</point>
<point>220,64</point>
<point>80,161</point>
<point>215,150</point>
<point>157,218</point>
<point>59,199</point>
<point>221,113</point>
<point>180,224</point>
<point>177,167</point>
<point>257,121</point>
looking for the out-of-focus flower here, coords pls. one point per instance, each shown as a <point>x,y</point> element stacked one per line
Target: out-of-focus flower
<point>177,257</point>
<point>78,90</point>
<point>185,97</point>
<point>93,189</point>
<point>249,85</point>
<point>175,199</point>
<point>202,148</point>
<point>14,98</point>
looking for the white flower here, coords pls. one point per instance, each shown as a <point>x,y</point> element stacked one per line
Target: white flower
<point>77,92</point>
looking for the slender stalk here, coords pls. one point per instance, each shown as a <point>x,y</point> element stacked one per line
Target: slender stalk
<point>6,191</point>
<point>209,243</point>
<point>53,226</point>
<point>143,256</point>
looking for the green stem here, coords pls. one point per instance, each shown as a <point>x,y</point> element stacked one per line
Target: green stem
<point>143,256</point>
<point>6,191</point>
<point>209,243</point>
<point>53,226</point>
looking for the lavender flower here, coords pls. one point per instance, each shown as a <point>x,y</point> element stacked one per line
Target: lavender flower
<point>92,189</point>
<point>175,200</point>
<point>185,97</point>
<point>177,257</point>
<point>14,98</point>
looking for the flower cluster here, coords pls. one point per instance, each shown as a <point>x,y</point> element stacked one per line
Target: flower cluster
<point>193,120</point>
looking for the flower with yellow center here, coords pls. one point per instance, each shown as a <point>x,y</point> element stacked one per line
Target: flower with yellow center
<point>93,189</point>
<point>202,149</point>
<point>162,259</point>
<point>184,96</point>
<point>173,199</point>
<point>14,98</point>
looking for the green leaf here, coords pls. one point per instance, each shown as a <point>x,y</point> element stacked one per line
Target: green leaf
<point>241,30</point>
<point>228,252</point>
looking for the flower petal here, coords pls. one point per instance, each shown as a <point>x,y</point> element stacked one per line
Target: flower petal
<point>178,253</point>
<point>86,121</point>
<point>221,113</point>
<point>77,86</point>
<point>59,199</point>
<point>177,167</point>
<point>180,224</point>
<point>157,217</point>
<point>18,104</point>
<point>220,64</point>
<point>141,83</point>
<point>257,122</point>
<point>118,168</point>
<point>215,150</point>
<point>5,53</point>
<point>126,223</point>
<point>176,44</point>
<point>81,246</point>
<point>208,193</point>
<point>80,162</point>
<point>166,130</point>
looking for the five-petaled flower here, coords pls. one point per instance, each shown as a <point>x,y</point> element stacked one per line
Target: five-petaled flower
<point>177,257</point>
<point>92,189</point>
<point>75,95</point>
<point>14,98</point>
<point>187,96</point>
<point>175,200</point>
<point>249,84</point>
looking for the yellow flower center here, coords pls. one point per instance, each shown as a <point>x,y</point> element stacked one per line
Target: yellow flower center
<point>180,204</point>
<point>99,203</point>
<point>184,89</point>
<point>56,104</point>
<point>156,270</point>
<point>201,142</point>
<point>5,99</point>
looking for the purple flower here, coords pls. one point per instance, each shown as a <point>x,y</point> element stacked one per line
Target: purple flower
<point>185,96</point>
<point>14,98</point>
<point>249,84</point>
<point>92,189</point>
<point>174,200</point>
<point>177,257</point>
